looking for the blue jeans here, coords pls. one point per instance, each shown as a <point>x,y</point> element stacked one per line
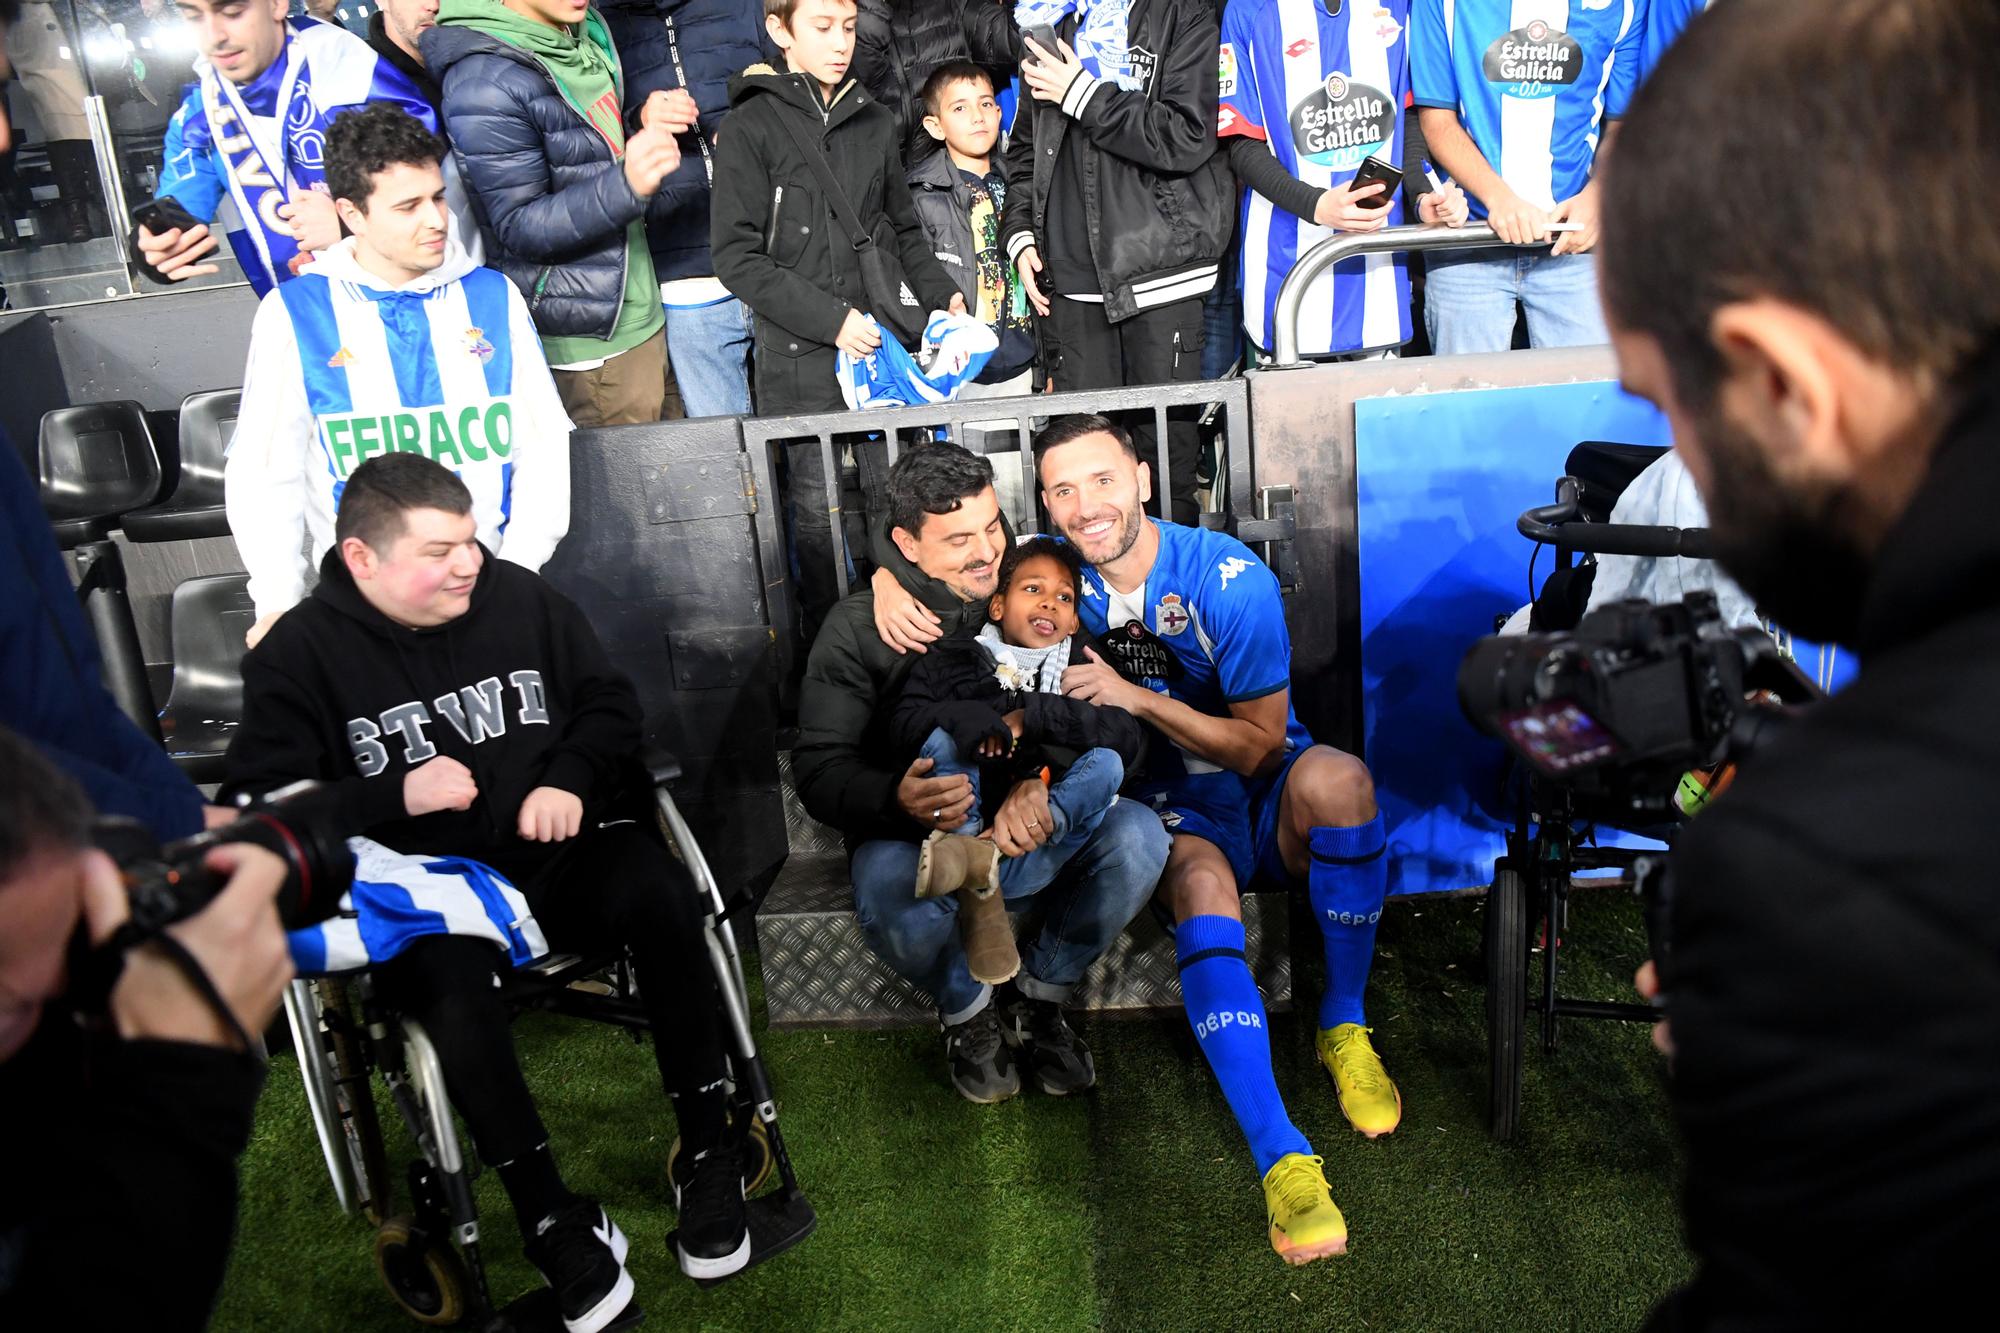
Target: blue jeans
<point>1077,802</point>
<point>1469,299</point>
<point>709,347</point>
<point>1103,883</point>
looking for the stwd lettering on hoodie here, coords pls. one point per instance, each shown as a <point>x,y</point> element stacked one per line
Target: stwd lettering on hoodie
<point>476,712</point>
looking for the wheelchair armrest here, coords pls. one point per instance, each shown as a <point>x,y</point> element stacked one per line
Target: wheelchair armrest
<point>662,764</point>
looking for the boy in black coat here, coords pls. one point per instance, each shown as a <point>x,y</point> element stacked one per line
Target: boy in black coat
<point>458,705</point>
<point>992,702</point>
<point>779,249</point>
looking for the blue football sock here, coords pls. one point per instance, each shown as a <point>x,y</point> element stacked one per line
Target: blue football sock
<point>1347,883</point>
<point>1227,1014</point>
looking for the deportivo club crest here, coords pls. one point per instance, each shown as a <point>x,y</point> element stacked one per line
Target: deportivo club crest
<point>1170,617</point>
<point>475,343</point>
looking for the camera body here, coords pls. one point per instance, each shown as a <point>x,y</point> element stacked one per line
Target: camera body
<point>1634,697</point>
<point>298,823</point>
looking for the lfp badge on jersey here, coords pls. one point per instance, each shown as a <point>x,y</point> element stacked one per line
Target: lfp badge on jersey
<point>1341,122</point>
<point>1170,617</point>
<point>1226,71</point>
<point>1535,61</point>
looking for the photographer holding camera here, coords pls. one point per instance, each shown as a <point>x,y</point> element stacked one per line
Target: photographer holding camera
<point>122,1114</point>
<point>1797,268</point>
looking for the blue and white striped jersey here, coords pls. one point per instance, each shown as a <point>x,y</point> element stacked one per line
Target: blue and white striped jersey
<point>343,368</point>
<point>397,900</point>
<point>1323,91</point>
<point>1532,81</point>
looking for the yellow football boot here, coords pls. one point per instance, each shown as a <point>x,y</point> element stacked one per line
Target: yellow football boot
<point>1368,1097</point>
<point>1305,1224</point>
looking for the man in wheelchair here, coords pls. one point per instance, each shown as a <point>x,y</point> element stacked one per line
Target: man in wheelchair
<point>461,707</point>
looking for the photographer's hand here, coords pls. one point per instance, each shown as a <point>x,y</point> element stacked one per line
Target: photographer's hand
<point>1647,980</point>
<point>237,940</point>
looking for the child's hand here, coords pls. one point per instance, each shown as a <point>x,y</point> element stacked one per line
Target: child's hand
<point>996,746</point>
<point>550,814</point>
<point>1029,267</point>
<point>858,335</point>
<point>957,306</point>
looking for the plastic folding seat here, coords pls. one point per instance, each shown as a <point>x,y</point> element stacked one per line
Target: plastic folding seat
<point>211,614</point>
<point>193,508</point>
<point>97,462</point>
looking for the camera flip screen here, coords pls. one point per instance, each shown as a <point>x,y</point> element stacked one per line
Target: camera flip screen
<point>1558,737</point>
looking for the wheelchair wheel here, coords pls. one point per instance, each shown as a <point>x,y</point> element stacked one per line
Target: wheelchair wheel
<point>1506,998</point>
<point>757,1164</point>
<point>355,1097</point>
<point>426,1276</point>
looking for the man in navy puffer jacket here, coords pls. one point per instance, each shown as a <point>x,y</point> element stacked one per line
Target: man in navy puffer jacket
<point>533,97</point>
<point>696,46</point>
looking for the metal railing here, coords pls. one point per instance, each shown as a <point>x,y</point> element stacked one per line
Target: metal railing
<point>1323,256</point>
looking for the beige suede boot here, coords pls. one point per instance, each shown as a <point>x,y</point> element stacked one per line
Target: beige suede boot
<point>948,862</point>
<point>990,952</point>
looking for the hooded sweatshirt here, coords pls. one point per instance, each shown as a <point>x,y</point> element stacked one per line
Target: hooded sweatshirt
<point>343,367</point>
<point>583,64</point>
<point>518,689</point>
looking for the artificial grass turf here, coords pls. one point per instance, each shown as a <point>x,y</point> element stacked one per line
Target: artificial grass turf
<point>1134,1208</point>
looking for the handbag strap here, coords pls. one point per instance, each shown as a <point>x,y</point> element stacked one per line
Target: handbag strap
<point>836,198</point>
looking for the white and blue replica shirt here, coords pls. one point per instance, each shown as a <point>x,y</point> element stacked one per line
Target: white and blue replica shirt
<point>1323,91</point>
<point>1207,628</point>
<point>397,900</point>
<point>1532,81</point>
<point>256,144</point>
<point>342,368</point>
<point>1665,21</point>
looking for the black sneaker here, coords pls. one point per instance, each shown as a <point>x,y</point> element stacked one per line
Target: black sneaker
<point>1056,1056</point>
<point>714,1236</point>
<point>982,1068</point>
<point>581,1253</point>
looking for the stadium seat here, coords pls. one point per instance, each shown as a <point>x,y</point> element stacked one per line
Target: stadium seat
<point>96,462</point>
<point>193,508</point>
<point>205,704</point>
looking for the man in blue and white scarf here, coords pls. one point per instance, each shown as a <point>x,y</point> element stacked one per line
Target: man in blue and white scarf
<point>252,128</point>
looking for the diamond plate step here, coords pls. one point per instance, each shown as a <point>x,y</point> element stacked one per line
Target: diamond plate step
<point>820,973</point>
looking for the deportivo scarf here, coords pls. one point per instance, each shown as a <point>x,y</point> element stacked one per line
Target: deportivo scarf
<point>1101,34</point>
<point>1025,670</point>
<point>273,142</point>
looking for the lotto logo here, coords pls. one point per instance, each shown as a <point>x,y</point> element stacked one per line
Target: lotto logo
<point>1354,918</point>
<point>1299,48</point>
<point>1237,1018</point>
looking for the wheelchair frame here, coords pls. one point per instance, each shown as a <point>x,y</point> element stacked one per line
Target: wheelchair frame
<point>1532,881</point>
<point>430,1258</point>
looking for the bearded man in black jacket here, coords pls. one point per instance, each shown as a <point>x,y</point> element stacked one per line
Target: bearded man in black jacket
<point>1826,345</point>
<point>460,706</point>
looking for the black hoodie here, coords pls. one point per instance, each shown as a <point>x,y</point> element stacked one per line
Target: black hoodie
<point>340,693</point>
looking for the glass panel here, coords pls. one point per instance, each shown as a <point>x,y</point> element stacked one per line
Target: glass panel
<point>56,234</point>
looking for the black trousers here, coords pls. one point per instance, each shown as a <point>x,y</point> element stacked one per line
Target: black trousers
<point>608,887</point>
<point>1160,346</point>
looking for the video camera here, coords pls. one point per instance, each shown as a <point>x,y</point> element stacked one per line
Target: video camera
<point>1634,697</point>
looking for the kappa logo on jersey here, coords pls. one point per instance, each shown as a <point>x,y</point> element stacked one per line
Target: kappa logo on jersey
<point>1299,48</point>
<point>1170,615</point>
<point>475,343</point>
<point>1535,61</point>
<point>1342,121</point>
<point>1226,71</point>
<point>1231,567</point>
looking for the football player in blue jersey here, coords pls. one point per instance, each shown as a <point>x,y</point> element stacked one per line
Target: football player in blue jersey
<point>1519,101</point>
<point>1242,788</point>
